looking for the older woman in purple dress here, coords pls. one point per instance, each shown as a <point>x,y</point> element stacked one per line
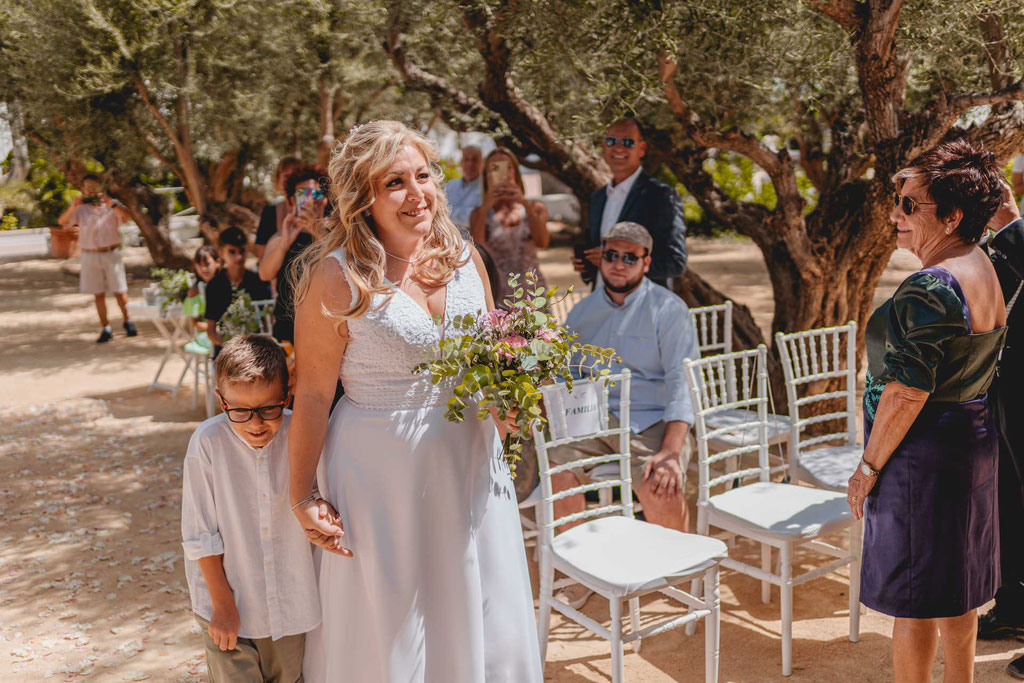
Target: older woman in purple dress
<point>927,484</point>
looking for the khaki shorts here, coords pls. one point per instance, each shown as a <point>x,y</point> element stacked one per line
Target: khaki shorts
<point>102,273</point>
<point>642,447</point>
<point>254,659</point>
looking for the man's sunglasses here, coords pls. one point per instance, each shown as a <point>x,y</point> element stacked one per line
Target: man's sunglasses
<point>628,143</point>
<point>242,415</point>
<point>629,259</point>
<point>317,194</point>
<point>908,204</point>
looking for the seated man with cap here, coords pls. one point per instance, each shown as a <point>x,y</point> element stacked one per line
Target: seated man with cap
<point>651,329</point>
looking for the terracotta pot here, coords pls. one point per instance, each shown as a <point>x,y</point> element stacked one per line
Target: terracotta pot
<point>63,242</point>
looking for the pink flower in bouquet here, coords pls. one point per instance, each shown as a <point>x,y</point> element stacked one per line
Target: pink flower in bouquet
<point>548,335</point>
<point>516,341</point>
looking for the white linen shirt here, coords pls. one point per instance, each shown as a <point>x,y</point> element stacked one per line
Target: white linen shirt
<point>235,503</point>
<point>616,200</point>
<point>463,197</point>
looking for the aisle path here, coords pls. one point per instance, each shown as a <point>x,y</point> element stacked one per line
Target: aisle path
<point>91,584</point>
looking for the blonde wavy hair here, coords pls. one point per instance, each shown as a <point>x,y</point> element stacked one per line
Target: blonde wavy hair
<point>365,156</point>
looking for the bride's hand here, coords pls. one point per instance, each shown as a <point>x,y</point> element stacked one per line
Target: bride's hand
<point>322,526</point>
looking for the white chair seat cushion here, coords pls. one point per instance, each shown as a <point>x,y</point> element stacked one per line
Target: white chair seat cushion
<point>832,466</point>
<point>746,434</point>
<point>783,511</point>
<point>621,555</point>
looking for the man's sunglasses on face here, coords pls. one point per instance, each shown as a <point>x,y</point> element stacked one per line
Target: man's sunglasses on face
<point>317,194</point>
<point>628,143</point>
<point>629,259</point>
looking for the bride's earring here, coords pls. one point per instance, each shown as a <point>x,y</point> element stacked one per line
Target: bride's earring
<point>949,229</point>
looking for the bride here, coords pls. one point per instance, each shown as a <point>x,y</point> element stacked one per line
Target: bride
<point>428,581</point>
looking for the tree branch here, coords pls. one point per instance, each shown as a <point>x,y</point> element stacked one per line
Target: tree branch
<point>778,165</point>
<point>151,145</point>
<point>843,12</point>
<point>144,92</point>
<point>997,54</point>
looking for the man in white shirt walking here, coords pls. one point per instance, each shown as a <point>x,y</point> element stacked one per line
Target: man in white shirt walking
<point>464,194</point>
<point>98,218</point>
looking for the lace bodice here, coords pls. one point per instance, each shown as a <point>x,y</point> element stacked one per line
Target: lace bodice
<point>397,335</point>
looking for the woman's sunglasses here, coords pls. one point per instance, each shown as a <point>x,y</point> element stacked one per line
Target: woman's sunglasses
<point>907,204</point>
<point>242,415</point>
<point>611,256</point>
<point>316,194</point>
<point>628,143</point>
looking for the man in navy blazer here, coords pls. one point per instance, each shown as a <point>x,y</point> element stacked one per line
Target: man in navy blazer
<point>1006,249</point>
<point>632,195</point>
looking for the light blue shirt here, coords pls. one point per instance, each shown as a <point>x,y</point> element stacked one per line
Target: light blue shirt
<point>653,333</point>
<point>463,197</point>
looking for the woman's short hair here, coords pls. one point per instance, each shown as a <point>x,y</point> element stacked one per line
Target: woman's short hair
<point>959,175</point>
<point>355,166</point>
<point>515,168</point>
<point>251,358</point>
<point>232,237</point>
<point>300,173</point>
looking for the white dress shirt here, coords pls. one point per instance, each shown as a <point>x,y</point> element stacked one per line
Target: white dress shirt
<point>235,503</point>
<point>616,200</point>
<point>463,197</point>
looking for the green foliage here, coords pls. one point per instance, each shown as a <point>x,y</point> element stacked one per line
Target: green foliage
<point>450,168</point>
<point>500,360</point>
<point>172,285</point>
<point>9,222</point>
<point>241,317</point>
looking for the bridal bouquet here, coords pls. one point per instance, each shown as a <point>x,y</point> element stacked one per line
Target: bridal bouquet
<point>501,359</point>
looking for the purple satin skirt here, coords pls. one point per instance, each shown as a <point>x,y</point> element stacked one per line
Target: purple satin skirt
<point>931,523</point>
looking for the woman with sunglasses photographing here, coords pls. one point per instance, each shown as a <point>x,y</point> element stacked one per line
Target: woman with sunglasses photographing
<point>926,486</point>
<point>306,200</point>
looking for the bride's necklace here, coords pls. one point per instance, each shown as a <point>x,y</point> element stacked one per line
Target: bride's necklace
<point>399,258</point>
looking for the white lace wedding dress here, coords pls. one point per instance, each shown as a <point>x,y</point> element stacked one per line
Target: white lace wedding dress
<point>438,590</point>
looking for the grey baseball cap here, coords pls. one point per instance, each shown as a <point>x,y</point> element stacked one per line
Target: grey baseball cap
<point>628,231</point>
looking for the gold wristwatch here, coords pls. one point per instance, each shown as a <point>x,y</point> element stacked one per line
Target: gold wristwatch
<point>868,470</point>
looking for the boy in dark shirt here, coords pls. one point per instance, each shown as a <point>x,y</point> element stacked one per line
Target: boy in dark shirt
<point>232,244</point>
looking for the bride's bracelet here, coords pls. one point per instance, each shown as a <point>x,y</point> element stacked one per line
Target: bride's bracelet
<point>308,499</point>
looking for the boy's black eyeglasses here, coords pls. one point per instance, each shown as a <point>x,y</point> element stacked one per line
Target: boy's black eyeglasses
<point>611,256</point>
<point>628,143</point>
<point>908,204</point>
<point>266,413</point>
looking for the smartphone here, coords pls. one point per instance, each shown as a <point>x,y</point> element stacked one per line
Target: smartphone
<point>301,200</point>
<point>90,199</point>
<point>589,273</point>
<point>499,172</point>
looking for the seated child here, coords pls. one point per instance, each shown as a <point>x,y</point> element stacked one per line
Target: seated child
<point>248,563</point>
<point>204,266</point>
<point>233,275</point>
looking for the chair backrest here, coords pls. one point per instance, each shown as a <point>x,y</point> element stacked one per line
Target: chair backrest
<point>563,428</point>
<point>565,304</point>
<point>265,308</point>
<point>730,381</point>
<point>714,328</point>
<point>810,360</point>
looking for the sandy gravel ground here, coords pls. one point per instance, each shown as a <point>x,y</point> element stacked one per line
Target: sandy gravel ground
<point>91,578</point>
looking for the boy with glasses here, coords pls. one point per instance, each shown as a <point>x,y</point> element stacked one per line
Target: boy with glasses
<point>248,564</point>
<point>220,291</point>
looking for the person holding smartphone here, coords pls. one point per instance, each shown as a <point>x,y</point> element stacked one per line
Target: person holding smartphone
<point>509,226</point>
<point>98,218</point>
<point>305,190</point>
